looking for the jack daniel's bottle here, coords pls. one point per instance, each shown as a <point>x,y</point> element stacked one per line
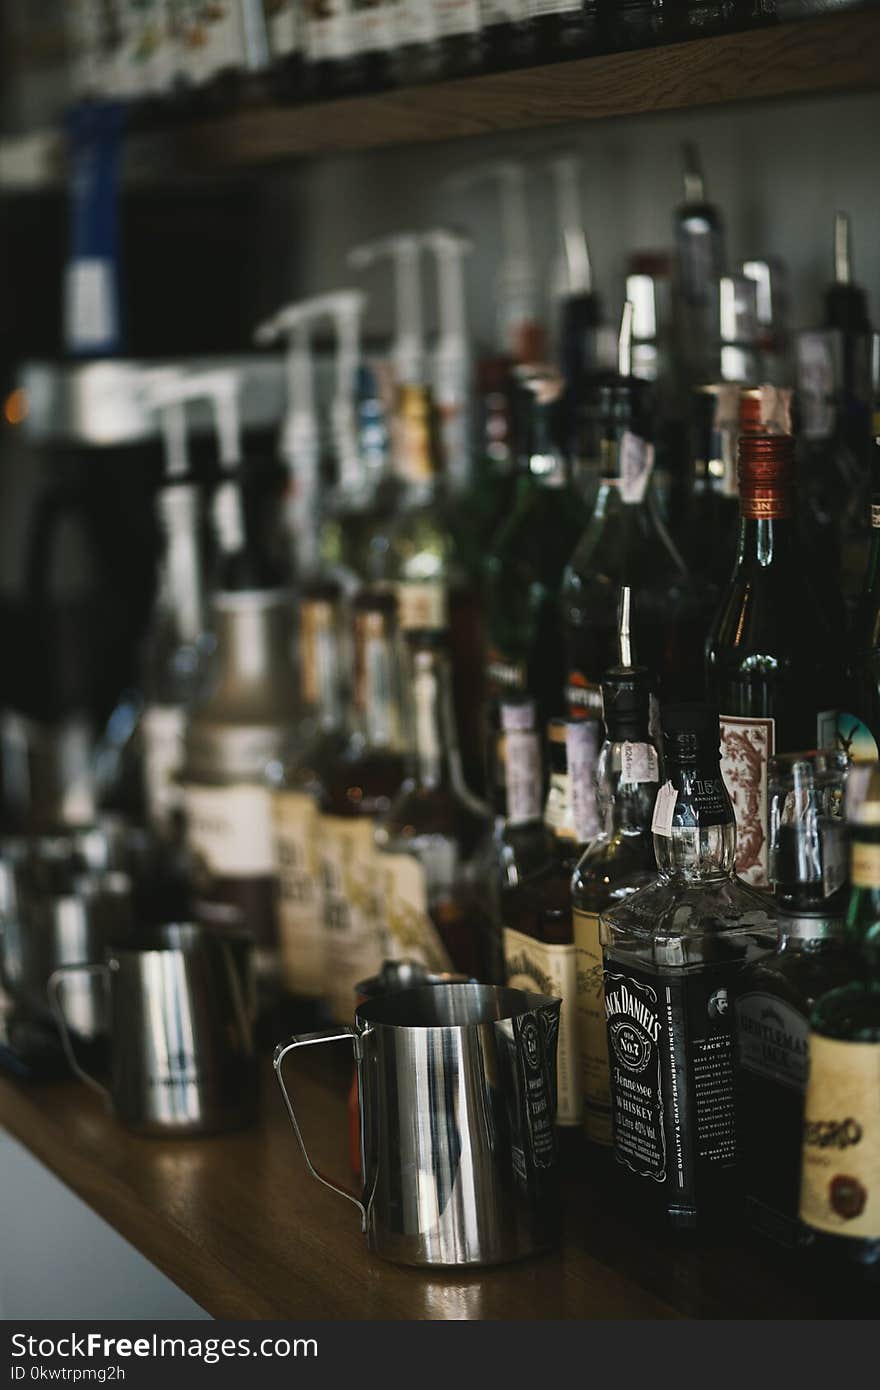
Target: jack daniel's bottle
<point>673,953</point>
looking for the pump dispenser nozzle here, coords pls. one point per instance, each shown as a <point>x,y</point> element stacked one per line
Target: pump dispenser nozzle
<point>408,352</point>
<point>515,282</point>
<point>452,360</point>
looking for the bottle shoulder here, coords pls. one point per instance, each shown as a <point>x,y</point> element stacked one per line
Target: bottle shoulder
<point>850,1012</point>
<point>684,921</point>
<point>418,813</point>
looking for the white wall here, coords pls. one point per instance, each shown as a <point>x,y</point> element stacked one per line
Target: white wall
<point>778,170</point>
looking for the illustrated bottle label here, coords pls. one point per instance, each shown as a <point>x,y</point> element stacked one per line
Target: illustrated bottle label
<point>301,907</point>
<point>230,829</point>
<point>410,933</point>
<point>329,31</point>
<point>592,1031</point>
<point>543,969</point>
<point>840,1182</point>
<point>772,1039</point>
<point>163,728</point>
<point>351,909</point>
<point>458,17</point>
<point>746,748</point>
<point>670,1050</point>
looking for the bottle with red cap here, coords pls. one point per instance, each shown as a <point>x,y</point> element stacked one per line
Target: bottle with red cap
<point>773,657</point>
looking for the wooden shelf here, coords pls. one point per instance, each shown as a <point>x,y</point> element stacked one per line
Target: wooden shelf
<point>239,1225</point>
<point>835,53</point>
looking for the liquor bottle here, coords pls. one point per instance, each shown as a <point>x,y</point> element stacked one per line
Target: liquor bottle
<point>564,29</point>
<point>772,659</point>
<point>712,516</point>
<point>672,953</point>
<point>625,543</point>
<point>284,19</point>
<point>359,786</point>
<point>524,568</point>
<point>539,951</point>
<point>430,841</point>
<point>244,711</point>
<point>177,642</point>
<point>615,863</point>
<point>859,729</point>
<point>296,778</point>
<point>376,38</point>
<point>839,1201</point>
<point>699,239</point>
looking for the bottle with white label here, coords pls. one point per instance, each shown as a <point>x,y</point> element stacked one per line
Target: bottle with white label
<point>539,945</point>
<point>242,718</point>
<point>359,786</point>
<point>296,779</point>
<point>618,859</point>
<point>626,543</point>
<point>673,953</point>
<point>774,661</point>
<point>840,1179</point>
<point>285,26</point>
<point>435,908</point>
<point>331,46</point>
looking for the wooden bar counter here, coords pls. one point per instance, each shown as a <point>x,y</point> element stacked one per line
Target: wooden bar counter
<point>237,1223</point>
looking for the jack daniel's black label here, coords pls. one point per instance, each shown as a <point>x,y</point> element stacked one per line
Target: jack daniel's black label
<point>670,1050</point>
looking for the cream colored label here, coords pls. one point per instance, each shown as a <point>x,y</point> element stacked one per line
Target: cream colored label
<point>211,38</point>
<point>840,1180</point>
<point>545,969</point>
<point>230,829</point>
<point>163,733</point>
<point>592,1030</point>
<point>421,606</point>
<point>351,909</point>
<point>865,865</point>
<point>746,748</point>
<point>408,929</point>
<point>301,899</point>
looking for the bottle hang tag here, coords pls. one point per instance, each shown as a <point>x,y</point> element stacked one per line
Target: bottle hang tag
<point>638,763</point>
<point>635,462</point>
<point>664,810</point>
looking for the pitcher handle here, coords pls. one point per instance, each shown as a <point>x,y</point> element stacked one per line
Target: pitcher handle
<point>54,991</point>
<point>329,1035</point>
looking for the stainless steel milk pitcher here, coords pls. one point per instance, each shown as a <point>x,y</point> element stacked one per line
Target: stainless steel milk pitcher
<point>457,1088</point>
<point>182,1007</point>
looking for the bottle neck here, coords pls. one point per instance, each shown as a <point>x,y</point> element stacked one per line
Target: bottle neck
<point>694,825</point>
<point>180,601</point>
<point>437,761</point>
<point>377,687</point>
<point>320,663</point>
<point>253,639</point>
<point>627,780</point>
<point>766,542</point>
<point>862,928</point>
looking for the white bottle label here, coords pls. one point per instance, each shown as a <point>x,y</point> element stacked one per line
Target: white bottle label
<point>816,384</point>
<point>300,901</point>
<point>522,760</point>
<point>504,11</point>
<point>375,25</point>
<point>747,745</point>
<point>582,750</point>
<point>408,930</point>
<point>638,763</point>
<point>142,57</point>
<point>416,22</point>
<point>283,18</point>
<point>163,728</point>
<point>212,39</point>
<point>422,606</point>
<point>351,909</point>
<point>635,464</point>
<point>330,31</point>
<point>664,810</point>
<point>592,1029</point>
<point>840,1182</point>
<point>551,970</point>
<point>230,829</point>
<point>458,17</point>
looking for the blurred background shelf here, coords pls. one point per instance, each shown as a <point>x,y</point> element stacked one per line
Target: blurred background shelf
<point>831,54</point>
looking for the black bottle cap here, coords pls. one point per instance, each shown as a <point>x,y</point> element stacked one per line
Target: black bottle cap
<point>626,702</point>
<point>691,731</point>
